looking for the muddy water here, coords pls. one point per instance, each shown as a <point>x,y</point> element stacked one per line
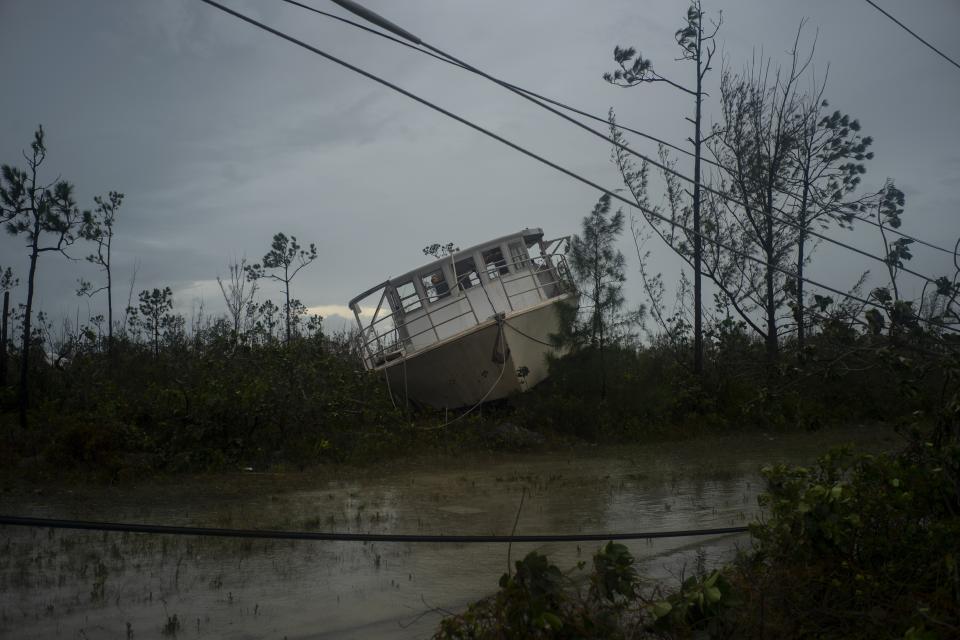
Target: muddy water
<point>108,585</point>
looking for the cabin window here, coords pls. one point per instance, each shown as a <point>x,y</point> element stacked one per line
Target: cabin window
<point>435,285</point>
<point>496,265</point>
<point>467,274</point>
<point>407,297</point>
<point>518,255</point>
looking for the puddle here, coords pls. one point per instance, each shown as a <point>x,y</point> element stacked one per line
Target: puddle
<point>110,585</point>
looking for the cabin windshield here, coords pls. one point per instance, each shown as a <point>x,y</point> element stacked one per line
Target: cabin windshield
<point>496,265</point>
<point>407,297</point>
<point>518,255</point>
<point>467,275</point>
<point>435,285</point>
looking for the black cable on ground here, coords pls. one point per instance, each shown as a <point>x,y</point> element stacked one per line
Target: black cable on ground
<point>264,534</point>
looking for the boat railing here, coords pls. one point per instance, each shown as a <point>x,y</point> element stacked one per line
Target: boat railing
<point>561,280</point>
<point>550,277</point>
<point>390,344</point>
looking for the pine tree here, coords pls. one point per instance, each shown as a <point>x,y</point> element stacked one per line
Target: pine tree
<point>598,268</point>
<point>47,216</point>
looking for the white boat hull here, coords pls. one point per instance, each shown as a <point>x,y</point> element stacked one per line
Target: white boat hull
<point>480,364</point>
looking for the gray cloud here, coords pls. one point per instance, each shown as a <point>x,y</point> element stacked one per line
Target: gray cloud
<point>221,135</point>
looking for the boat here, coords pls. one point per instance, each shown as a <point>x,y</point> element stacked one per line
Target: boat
<point>472,326</point>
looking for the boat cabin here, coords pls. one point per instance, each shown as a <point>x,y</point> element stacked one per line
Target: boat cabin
<point>455,293</point>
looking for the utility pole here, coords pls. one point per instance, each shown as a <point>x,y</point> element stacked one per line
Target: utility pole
<point>697,240</point>
<point>635,69</point>
<point>3,339</point>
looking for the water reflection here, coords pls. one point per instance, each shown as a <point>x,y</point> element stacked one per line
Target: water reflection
<point>111,585</point>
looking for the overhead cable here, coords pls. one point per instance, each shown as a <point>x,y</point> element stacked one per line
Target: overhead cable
<point>377,19</point>
<point>528,94</point>
<point>549,163</point>
<point>911,32</point>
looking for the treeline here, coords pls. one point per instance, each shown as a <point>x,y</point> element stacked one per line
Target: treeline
<point>261,386</point>
<point>145,388</point>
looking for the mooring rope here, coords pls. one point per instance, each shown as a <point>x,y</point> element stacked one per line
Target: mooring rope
<point>503,367</point>
<point>529,337</point>
<point>265,534</point>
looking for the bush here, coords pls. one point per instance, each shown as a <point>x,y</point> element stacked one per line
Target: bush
<point>206,404</point>
<point>860,546</point>
<point>540,601</point>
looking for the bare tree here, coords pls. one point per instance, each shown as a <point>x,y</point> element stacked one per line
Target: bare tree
<point>725,267</point>
<point>756,145</point>
<point>99,229</point>
<point>238,295</point>
<point>133,282</point>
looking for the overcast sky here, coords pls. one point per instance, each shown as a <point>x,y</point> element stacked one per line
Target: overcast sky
<point>221,135</point>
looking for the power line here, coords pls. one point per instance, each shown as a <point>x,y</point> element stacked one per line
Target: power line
<point>500,322</point>
<point>542,160</point>
<point>911,32</point>
<point>264,534</point>
<point>450,62</point>
<point>584,113</point>
<point>667,168</point>
<point>529,95</point>
<point>349,4</point>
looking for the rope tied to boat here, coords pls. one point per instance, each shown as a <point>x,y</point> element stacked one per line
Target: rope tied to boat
<point>501,343</point>
<point>529,337</point>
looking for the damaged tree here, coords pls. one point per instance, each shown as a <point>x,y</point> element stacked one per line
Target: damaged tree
<point>47,216</point>
<point>697,47</point>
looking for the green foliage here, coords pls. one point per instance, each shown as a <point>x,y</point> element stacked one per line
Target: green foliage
<point>8,281</point>
<point>282,263</point>
<point>855,546</point>
<point>530,604</point>
<point>703,603</point>
<point>868,542</point>
<point>614,577</point>
<point>35,210</point>
<point>533,596</point>
<point>153,314</point>
<point>437,250</point>
<point>598,269</point>
<point>205,403</point>
<point>284,254</point>
<point>540,601</point>
<point>634,68</point>
<point>47,216</point>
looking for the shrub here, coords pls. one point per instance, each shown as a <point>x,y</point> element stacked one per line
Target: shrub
<point>860,546</point>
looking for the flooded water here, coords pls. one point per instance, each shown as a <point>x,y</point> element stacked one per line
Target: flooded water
<point>111,585</point>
